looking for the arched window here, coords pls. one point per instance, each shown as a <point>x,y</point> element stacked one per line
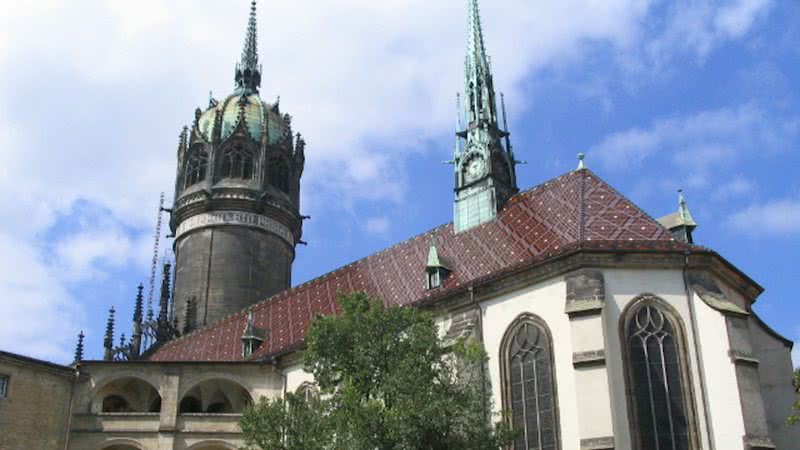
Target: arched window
<point>237,162</point>
<point>278,175</point>
<point>529,390</point>
<point>196,166</point>
<point>308,391</point>
<point>658,395</point>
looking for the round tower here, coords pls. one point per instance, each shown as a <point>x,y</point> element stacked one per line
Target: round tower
<point>236,214</point>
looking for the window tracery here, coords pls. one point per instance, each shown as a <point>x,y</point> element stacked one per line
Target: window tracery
<point>196,166</point>
<point>237,162</point>
<point>530,390</point>
<point>656,373</point>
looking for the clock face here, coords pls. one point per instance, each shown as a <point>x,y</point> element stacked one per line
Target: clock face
<point>475,168</point>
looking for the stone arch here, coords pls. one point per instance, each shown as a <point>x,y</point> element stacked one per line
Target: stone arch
<point>213,445</point>
<point>123,394</point>
<point>646,316</point>
<point>214,395</point>
<point>527,354</point>
<point>122,444</point>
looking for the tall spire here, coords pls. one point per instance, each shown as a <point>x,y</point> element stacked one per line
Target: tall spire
<point>248,71</point>
<point>479,86</point>
<point>484,163</point>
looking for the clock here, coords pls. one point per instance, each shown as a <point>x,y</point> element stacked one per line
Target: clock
<point>475,168</point>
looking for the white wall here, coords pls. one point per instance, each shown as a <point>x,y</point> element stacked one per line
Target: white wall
<point>547,301</point>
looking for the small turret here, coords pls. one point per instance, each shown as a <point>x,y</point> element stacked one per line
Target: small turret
<point>252,338</point>
<point>165,330</point>
<point>138,317</point>
<point>79,349</point>
<point>108,341</point>
<point>680,223</point>
<point>436,268</point>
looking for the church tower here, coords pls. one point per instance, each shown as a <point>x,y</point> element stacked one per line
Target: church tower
<point>485,176</point>
<point>236,217</point>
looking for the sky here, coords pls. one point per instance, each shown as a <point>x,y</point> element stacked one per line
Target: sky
<point>660,95</point>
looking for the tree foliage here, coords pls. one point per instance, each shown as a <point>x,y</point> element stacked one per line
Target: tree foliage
<point>795,418</point>
<point>387,382</point>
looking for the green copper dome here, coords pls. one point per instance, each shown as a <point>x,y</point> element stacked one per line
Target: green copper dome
<point>257,114</point>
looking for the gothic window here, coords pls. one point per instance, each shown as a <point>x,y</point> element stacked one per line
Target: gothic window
<point>308,391</point>
<point>529,389</point>
<point>279,175</point>
<point>3,386</point>
<point>196,166</point>
<point>237,162</point>
<point>656,376</point>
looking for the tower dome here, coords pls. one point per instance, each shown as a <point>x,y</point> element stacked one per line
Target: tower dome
<point>259,117</point>
<point>236,216</point>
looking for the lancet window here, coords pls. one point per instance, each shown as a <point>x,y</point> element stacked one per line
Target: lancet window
<point>196,166</point>
<point>657,378</point>
<point>237,162</point>
<point>529,389</point>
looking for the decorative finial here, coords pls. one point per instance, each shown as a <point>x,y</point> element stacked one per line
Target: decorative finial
<point>138,310</point>
<point>108,341</point>
<point>581,163</point>
<point>248,71</point>
<point>79,349</point>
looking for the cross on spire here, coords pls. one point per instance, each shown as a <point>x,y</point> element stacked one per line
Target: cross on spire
<point>248,71</point>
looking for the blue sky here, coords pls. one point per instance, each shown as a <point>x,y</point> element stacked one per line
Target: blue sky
<point>661,95</point>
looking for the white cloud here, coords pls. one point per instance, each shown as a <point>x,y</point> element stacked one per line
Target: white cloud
<point>40,317</point>
<point>778,217</point>
<point>377,225</point>
<point>700,26</point>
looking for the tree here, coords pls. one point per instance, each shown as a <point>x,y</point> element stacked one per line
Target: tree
<point>795,418</point>
<point>387,382</point>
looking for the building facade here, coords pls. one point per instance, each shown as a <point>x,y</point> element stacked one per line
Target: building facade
<point>605,328</point>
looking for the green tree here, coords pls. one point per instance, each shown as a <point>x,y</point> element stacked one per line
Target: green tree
<point>795,418</point>
<point>388,382</point>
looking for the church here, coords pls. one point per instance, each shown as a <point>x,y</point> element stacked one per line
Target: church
<point>605,328</point>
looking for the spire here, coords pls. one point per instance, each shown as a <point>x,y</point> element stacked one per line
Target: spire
<point>248,71</point>
<point>480,96</point>
<point>79,349</point>
<point>108,341</point>
<point>165,295</point>
<point>138,310</point>
<point>683,209</point>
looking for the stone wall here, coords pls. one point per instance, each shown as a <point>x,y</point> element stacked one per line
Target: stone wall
<point>226,269</point>
<point>35,412</point>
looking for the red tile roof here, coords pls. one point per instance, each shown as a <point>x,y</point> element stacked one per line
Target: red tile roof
<point>551,219</point>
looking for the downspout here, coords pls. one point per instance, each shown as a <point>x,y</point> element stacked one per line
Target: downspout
<point>698,350</point>
<point>480,339</point>
<point>71,405</point>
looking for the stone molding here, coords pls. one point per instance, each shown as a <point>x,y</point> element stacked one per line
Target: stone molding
<point>586,293</point>
<point>589,358</point>
<point>601,443</point>
<point>738,357</point>
<point>237,218</point>
<point>758,443</point>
